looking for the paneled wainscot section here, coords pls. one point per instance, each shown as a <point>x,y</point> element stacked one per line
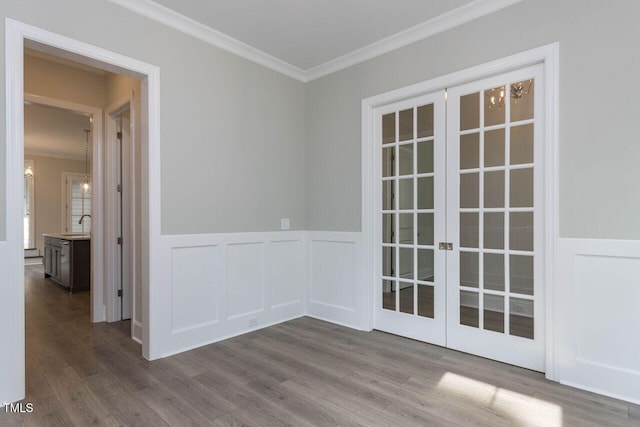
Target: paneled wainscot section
<point>220,285</point>
<point>596,316</point>
<point>215,286</point>
<point>336,290</point>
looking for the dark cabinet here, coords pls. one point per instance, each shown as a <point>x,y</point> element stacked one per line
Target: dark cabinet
<point>68,262</point>
<point>52,249</point>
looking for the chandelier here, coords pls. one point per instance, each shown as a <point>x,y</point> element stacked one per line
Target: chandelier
<point>517,91</point>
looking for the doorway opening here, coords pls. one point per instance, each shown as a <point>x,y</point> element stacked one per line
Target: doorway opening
<point>19,36</point>
<point>60,135</point>
<point>67,142</point>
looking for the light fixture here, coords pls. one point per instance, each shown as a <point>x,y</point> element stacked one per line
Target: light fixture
<point>28,171</point>
<point>85,185</point>
<point>517,91</point>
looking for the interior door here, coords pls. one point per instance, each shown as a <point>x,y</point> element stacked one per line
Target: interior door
<point>495,295</point>
<point>124,214</point>
<point>459,218</point>
<point>410,189</point>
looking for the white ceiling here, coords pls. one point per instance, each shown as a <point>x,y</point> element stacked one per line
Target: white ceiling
<point>308,39</point>
<point>308,33</point>
<point>54,132</point>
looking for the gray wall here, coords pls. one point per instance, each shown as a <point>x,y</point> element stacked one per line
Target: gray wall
<point>599,145</point>
<point>232,132</point>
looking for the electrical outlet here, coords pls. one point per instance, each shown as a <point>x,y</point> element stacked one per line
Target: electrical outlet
<point>253,321</point>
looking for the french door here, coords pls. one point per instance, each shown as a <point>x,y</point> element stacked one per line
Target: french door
<point>411,157</point>
<point>460,218</point>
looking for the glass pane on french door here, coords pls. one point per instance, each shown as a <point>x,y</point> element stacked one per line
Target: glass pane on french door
<point>494,201</point>
<point>411,218</point>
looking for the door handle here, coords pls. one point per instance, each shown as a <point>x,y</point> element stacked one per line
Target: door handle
<point>445,246</point>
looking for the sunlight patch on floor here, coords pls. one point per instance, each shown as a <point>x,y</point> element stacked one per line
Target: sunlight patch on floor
<point>524,409</point>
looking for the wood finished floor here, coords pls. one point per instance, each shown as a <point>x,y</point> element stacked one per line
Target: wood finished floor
<point>300,373</point>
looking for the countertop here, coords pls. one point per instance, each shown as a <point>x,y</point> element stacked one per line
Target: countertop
<point>69,236</point>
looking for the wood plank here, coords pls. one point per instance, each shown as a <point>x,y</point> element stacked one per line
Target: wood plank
<point>302,372</point>
<point>83,407</point>
<point>124,405</point>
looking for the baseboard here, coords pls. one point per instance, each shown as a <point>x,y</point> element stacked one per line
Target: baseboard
<point>601,392</point>
<point>232,335</point>
<point>336,322</point>
<point>31,253</point>
<point>137,332</point>
<point>101,316</point>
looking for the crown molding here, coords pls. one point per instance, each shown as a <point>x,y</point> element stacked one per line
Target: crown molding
<point>173,19</point>
<point>459,16</point>
<point>454,18</point>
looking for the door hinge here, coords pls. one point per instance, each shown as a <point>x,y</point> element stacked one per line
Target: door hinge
<point>119,240</point>
<point>119,135</point>
<point>445,246</point>
<point>120,293</point>
<point>119,188</point>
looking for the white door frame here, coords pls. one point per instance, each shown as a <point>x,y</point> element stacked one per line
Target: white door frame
<point>12,384</point>
<point>97,277</point>
<point>111,255</point>
<point>548,56</point>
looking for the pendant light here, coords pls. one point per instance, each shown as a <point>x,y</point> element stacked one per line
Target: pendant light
<point>85,185</point>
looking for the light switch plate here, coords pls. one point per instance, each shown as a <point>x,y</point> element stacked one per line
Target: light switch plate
<point>284,224</point>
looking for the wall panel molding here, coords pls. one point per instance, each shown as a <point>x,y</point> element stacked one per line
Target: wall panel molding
<point>596,314</point>
<point>335,290</point>
<point>216,286</point>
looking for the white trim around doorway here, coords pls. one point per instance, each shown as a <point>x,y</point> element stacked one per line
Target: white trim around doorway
<point>548,56</point>
<point>12,380</point>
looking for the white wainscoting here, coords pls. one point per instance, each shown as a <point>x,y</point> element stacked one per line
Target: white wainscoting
<point>216,286</point>
<point>335,289</point>
<point>6,320</point>
<point>12,342</point>
<point>597,316</point>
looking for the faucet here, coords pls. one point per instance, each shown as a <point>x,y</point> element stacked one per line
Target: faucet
<point>82,218</point>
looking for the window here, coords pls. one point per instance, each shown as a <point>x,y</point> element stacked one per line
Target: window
<point>78,204</point>
<point>28,217</point>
